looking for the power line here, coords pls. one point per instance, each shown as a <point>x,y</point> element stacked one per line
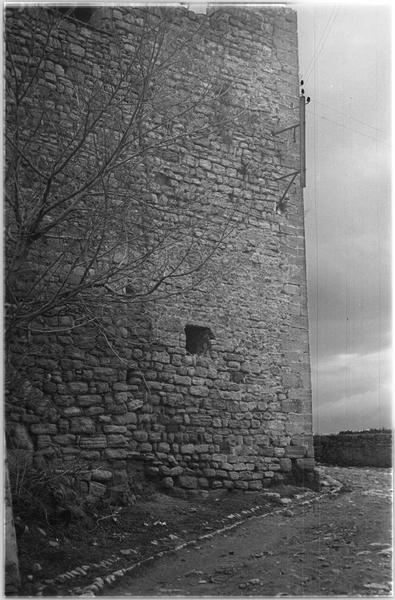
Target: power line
<point>348,117</point>
<point>351,129</point>
<point>316,246</point>
<point>321,43</point>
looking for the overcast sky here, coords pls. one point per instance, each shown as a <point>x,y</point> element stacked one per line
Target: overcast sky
<point>344,58</point>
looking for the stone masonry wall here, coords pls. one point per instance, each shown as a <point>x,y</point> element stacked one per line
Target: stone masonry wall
<point>237,414</point>
<point>362,449</point>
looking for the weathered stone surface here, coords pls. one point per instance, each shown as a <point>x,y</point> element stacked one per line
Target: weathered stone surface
<point>97,441</point>
<point>127,419</point>
<point>295,451</point>
<point>89,400</point>
<point>255,485</point>
<point>286,464</point>
<point>186,481</point>
<point>71,411</point>
<point>224,413</point>
<point>305,464</point>
<point>115,453</point>
<point>115,441</point>
<point>82,425</point>
<point>167,482</point>
<point>114,429</point>
<point>176,471</point>
<point>101,475</point>
<point>140,436</point>
<point>43,428</point>
<point>135,404</point>
<point>366,448</point>
<point>65,440</point>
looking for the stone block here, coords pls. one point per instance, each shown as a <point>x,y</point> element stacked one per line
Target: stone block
<point>120,386</point>
<point>216,484</point>
<point>186,481</point>
<point>90,455</point>
<point>78,387</point>
<point>71,411</point>
<point>93,411</point>
<point>152,471</point>
<point>174,471</point>
<point>161,357</point>
<point>145,447</point>
<point>201,448</point>
<point>163,447</point>
<point>182,380</point>
<point>266,451</point>
<point>101,475</point>
<point>43,428</point>
<point>164,470</point>
<point>116,441</point>
<point>199,390</point>
<point>114,429</point>
<point>115,453</point>
<point>278,452</point>
<point>295,451</point>
<point>140,435</point>
<point>167,482</point>
<point>292,289</point>
<point>305,464</point>
<point>203,482</point>
<point>65,439</point>
<point>255,485</point>
<point>89,400</point>
<point>43,441</point>
<point>82,425</point>
<point>105,419</point>
<point>285,465</point>
<point>97,441</point>
<point>187,449</point>
<point>125,419</point>
<point>134,404</point>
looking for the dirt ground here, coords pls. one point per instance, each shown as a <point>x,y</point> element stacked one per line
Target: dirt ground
<point>309,544</point>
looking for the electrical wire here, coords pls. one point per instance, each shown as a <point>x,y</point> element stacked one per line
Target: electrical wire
<point>349,117</point>
<point>350,128</point>
<point>315,340</point>
<point>321,44</point>
<point>379,250</point>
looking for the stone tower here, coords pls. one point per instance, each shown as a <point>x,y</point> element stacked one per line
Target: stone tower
<point>207,385</point>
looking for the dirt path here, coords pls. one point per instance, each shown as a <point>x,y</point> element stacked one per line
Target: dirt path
<point>334,545</point>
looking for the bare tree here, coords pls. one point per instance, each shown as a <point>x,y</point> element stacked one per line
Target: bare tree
<point>93,215</point>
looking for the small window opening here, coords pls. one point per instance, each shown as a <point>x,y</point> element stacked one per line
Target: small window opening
<point>198,339</point>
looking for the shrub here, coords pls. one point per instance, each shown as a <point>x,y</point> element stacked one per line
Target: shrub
<point>45,492</point>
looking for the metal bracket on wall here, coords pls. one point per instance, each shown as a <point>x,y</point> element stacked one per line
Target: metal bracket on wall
<point>280,206</point>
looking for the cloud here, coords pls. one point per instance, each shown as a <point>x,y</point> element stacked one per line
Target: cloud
<point>360,411</point>
<point>345,61</point>
<point>349,298</point>
<point>352,391</point>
